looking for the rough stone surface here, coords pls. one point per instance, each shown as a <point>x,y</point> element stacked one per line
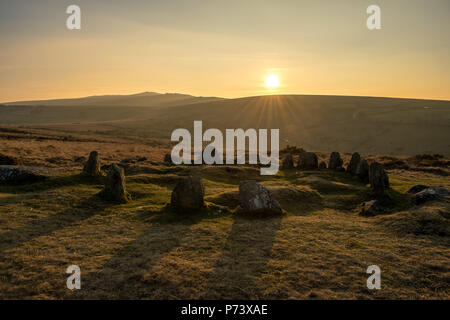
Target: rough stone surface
<point>255,198</point>
<point>92,166</point>
<point>115,185</point>
<point>288,162</point>
<point>371,208</point>
<point>417,188</point>
<point>18,175</point>
<point>353,165</point>
<point>188,194</point>
<point>335,162</point>
<point>430,194</point>
<point>322,165</point>
<point>362,170</point>
<point>308,161</point>
<point>378,178</point>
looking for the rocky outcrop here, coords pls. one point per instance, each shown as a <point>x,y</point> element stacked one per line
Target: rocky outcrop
<point>354,162</point>
<point>335,162</point>
<point>92,166</point>
<point>188,195</point>
<point>308,161</point>
<point>115,189</point>
<point>255,199</point>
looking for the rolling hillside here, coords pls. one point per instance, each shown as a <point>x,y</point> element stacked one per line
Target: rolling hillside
<point>321,123</point>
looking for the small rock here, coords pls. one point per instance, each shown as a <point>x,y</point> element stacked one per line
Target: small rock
<point>362,170</point>
<point>371,208</point>
<point>288,162</point>
<point>79,159</point>
<point>378,178</point>
<point>322,165</point>
<point>115,185</point>
<point>308,161</point>
<point>92,166</point>
<point>430,194</point>
<point>256,199</point>
<point>19,175</point>
<point>417,188</point>
<point>335,162</point>
<point>188,194</point>
<point>353,165</point>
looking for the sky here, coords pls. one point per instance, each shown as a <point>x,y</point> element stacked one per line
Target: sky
<point>224,48</point>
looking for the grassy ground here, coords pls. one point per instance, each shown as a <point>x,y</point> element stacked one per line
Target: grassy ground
<point>320,249</point>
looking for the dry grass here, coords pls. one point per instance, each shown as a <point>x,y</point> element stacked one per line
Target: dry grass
<point>319,249</point>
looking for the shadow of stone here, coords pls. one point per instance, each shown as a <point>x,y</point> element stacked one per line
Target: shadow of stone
<point>53,183</point>
<point>237,272</point>
<point>47,225</point>
<point>122,276</point>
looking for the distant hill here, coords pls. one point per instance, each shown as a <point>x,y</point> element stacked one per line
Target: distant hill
<point>144,99</point>
<point>320,123</point>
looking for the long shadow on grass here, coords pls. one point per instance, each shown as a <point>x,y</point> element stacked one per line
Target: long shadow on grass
<point>14,238</point>
<point>52,183</point>
<point>238,271</point>
<point>122,276</point>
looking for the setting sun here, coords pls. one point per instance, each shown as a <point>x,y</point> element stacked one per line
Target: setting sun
<point>272,81</point>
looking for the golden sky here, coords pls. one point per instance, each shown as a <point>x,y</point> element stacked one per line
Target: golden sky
<point>224,48</point>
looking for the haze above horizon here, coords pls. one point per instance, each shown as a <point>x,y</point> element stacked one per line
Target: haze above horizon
<point>225,49</point>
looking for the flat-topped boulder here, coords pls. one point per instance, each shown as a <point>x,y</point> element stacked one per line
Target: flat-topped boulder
<point>115,188</point>
<point>308,161</point>
<point>255,199</point>
<point>335,162</point>
<point>92,166</point>
<point>188,195</point>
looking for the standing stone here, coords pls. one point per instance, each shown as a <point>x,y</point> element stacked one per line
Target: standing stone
<point>288,162</point>
<point>322,165</point>
<point>115,185</point>
<point>188,194</point>
<point>308,161</point>
<point>353,165</point>
<point>255,198</point>
<point>378,178</point>
<point>362,170</point>
<point>167,158</point>
<point>92,166</point>
<point>336,161</point>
